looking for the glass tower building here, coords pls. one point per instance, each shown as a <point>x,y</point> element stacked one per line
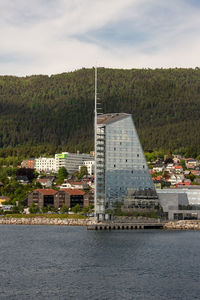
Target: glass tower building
<point>120,162</point>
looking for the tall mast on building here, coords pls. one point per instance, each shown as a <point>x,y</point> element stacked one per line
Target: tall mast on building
<point>95,143</point>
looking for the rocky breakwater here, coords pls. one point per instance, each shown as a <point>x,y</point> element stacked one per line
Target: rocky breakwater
<point>183,225</point>
<point>47,221</point>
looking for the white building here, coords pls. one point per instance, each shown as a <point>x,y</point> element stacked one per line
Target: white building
<point>90,166</point>
<point>60,160</point>
<point>71,161</point>
<point>45,164</point>
<point>158,169</point>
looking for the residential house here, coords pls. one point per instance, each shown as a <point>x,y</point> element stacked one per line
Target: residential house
<point>22,179</point>
<point>178,169</point>
<point>195,172</point>
<point>191,163</point>
<point>158,168</point>
<point>42,197</point>
<point>81,185</point>
<point>169,168</point>
<point>175,179</point>
<point>73,197</point>
<point>68,197</point>
<point>45,182</point>
<point>176,159</point>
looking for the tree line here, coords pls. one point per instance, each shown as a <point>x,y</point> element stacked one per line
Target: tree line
<point>47,114</point>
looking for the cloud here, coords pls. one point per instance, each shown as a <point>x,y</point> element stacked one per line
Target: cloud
<point>53,36</point>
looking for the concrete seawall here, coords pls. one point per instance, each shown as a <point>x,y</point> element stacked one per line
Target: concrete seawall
<point>47,221</point>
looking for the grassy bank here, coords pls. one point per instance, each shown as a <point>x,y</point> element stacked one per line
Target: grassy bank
<point>48,216</point>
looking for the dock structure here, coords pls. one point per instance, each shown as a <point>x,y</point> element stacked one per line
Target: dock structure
<point>125,226</point>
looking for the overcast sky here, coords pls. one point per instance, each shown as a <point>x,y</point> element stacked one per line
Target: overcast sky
<point>55,36</point>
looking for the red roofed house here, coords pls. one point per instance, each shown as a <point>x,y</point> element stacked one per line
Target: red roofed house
<point>42,197</point>
<point>45,182</point>
<point>68,197</point>
<point>178,169</point>
<point>73,197</point>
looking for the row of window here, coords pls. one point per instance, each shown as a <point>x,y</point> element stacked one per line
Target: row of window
<point>126,161</point>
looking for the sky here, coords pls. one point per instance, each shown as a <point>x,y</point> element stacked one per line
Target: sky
<point>56,36</point>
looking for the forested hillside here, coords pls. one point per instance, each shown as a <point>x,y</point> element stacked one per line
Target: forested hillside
<point>56,112</point>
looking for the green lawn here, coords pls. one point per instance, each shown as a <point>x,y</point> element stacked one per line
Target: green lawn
<point>49,216</point>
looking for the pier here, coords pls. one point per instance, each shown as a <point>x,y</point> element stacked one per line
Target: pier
<point>125,226</point>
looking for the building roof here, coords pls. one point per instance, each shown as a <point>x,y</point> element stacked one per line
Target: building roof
<point>73,192</point>
<point>46,192</point>
<point>76,182</point>
<point>42,180</point>
<point>178,167</point>
<point>110,118</point>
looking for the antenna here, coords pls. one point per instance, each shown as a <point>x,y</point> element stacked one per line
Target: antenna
<point>95,142</point>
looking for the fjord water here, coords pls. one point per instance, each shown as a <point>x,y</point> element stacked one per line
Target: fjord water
<point>54,262</point>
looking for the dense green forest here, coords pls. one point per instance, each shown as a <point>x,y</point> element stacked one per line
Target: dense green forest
<point>42,114</point>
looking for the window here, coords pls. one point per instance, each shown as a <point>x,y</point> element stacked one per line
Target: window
<point>126,160</point>
<point>114,166</point>
<point>114,149</point>
<point>137,155</point>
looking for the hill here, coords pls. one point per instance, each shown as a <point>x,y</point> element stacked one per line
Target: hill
<point>56,112</point>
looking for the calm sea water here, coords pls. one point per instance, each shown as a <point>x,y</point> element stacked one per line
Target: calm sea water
<point>52,262</point>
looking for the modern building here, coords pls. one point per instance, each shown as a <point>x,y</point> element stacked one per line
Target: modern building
<point>121,168</point>
<point>180,203</point>
<point>71,161</point>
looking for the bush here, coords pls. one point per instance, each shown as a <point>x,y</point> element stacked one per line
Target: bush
<point>44,209</point>
<point>76,208</point>
<point>64,209</point>
<point>34,208</point>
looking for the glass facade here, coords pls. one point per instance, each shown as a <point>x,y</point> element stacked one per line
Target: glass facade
<point>121,163</point>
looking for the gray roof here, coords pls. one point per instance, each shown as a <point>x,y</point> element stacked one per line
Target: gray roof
<point>111,117</point>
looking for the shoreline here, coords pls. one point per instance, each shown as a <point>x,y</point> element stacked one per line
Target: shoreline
<point>183,225</point>
<point>170,225</point>
<point>46,221</point>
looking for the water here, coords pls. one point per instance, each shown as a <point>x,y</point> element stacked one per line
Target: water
<point>52,262</point>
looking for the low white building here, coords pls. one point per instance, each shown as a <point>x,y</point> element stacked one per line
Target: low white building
<point>45,164</point>
<point>90,166</point>
<point>175,179</point>
<point>75,185</point>
<point>158,169</point>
